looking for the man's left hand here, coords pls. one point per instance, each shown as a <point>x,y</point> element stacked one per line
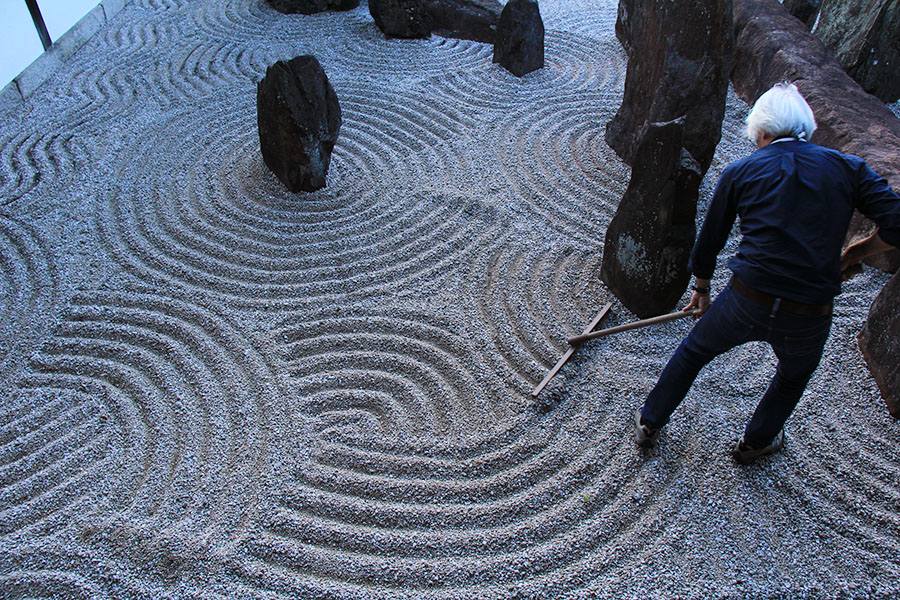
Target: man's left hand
<point>856,253</point>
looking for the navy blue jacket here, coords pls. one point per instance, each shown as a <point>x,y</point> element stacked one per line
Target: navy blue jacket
<point>795,200</point>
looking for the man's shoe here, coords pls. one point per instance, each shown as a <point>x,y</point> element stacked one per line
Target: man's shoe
<point>644,435</point>
<point>745,454</point>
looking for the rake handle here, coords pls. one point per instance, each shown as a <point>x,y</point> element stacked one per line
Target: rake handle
<point>581,339</point>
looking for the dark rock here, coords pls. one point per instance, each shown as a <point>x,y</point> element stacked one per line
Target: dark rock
<point>466,19</point>
<point>625,19</point>
<point>865,39</point>
<point>861,227</point>
<point>880,343</point>
<point>299,118</point>
<point>772,46</point>
<point>401,18</point>
<point>649,240</point>
<point>342,5</point>
<point>805,10</point>
<point>309,7</point>
<point>679,57</point>
<point>519,42</point>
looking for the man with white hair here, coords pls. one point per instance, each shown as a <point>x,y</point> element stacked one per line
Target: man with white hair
<point>795,200</point>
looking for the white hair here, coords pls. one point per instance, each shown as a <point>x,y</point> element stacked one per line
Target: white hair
<point>781,112</point>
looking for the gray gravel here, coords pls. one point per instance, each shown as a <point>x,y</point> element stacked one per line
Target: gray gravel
<point>214,388</point>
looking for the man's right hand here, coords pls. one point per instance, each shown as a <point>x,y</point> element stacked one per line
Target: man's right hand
<point>700,303</point>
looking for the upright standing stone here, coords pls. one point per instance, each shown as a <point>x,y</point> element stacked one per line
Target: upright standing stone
<point>299,118</point>
<point>679,58</point>
<point>519,43</point>
<point>649,240</point>
<point>865,38</point>
<point>309,7</point>
<point>880,343</point>
<point>401,18</point>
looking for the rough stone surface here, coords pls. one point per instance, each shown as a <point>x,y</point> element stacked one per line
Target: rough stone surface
<point>309,7</point>
<point>299,118</point>
<point>519,43</point>
<point>861,227</point>
<point>880,343</point>
<point>649,240</point>
<point>466,19</point>
<point>865,39</point>
<point>805,10</point>
<point>772,46</point>
<point>679,57</point>
<point>401,18</point>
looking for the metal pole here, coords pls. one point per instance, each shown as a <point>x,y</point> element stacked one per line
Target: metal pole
<point>39,22</point>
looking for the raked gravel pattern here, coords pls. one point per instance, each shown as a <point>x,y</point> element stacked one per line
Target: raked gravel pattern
<point>214,388</point>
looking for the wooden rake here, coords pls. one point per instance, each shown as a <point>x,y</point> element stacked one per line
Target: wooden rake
<point>589,334</point>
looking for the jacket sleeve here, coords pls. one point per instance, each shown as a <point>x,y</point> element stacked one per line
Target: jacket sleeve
<point>716,227</point>
<point>876,200</point>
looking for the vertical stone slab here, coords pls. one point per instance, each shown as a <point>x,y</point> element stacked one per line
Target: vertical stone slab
<point>649,240</point>
<point>519,42</point>
<point>679,59</point>
<point>299,117</point>
<point>880,343</point>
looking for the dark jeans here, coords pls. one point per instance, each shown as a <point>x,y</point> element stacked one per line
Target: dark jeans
<point>733,320</point>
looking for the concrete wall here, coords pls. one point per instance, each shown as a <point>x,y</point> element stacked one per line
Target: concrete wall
<point>29,80</point>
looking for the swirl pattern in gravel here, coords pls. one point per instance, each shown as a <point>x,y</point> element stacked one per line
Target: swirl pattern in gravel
<point>212,387</point>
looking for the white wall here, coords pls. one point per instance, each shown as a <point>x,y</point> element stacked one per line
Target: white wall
<point>19,41</point>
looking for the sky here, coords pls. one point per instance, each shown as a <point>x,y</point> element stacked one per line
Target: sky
<point>19,41</point>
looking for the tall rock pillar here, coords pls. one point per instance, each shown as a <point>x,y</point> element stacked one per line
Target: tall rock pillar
<point>649,241</point>
<point>679,60</point>
<point>667,128</point>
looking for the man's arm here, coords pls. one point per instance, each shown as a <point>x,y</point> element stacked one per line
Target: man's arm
<point>712,237</point>
<point>716,227</point>
<point>856,253</point>
<point>880,203</point>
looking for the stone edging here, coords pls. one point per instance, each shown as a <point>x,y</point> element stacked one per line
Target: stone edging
<point>44,66</point>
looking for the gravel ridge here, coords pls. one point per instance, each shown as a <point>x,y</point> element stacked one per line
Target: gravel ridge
<point>214,388</point>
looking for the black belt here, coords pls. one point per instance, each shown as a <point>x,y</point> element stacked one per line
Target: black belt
<point>794,308</point>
